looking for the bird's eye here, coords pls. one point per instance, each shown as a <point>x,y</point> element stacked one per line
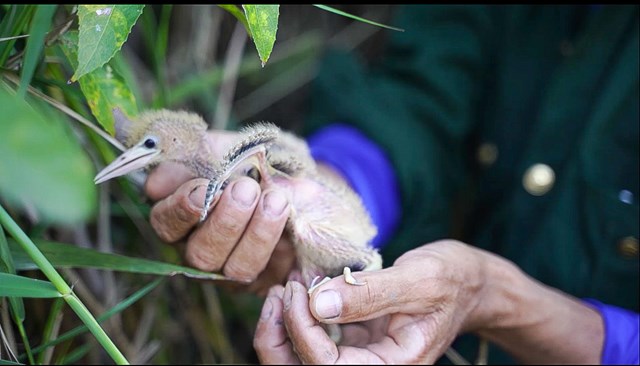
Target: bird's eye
<point>149,143</point>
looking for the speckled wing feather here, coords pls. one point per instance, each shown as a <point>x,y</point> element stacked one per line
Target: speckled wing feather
<point>257,137</point>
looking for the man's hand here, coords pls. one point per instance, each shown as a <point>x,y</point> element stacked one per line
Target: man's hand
<point>412,311</point>
<point>408,313</point>
<point>243,236</point>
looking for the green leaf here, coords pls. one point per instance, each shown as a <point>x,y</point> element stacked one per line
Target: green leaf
<point>7,362</point>
<point>12,285</point>
<point>43,168</point>
<point>340,12</point>
<point>67,255</point>
<point>103,31</point>
<point>263,23</point>
<point>103,88</point>
<point>40,25</point>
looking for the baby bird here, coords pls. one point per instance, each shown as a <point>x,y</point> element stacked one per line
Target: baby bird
<point>328,224</point>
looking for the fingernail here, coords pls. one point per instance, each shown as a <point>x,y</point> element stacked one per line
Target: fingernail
<point>197,196</point>
<point>328,304</point>
<point>274,203</point>
<point>267,309</point>
<point>288,294</point>
<point>244,192</point>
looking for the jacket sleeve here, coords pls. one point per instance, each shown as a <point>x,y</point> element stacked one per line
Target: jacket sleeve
<point>419,104</point>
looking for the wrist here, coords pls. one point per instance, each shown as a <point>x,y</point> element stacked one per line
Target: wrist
<point>532,321</point>
<point>502,296</point>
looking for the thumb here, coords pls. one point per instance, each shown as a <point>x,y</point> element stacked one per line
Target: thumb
<point>385,291</point>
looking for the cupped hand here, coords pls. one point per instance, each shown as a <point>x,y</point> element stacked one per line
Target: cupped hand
<point>407,313</point>
<point>242,237</point>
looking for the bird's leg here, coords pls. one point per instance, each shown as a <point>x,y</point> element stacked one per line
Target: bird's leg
<point>258,137</point>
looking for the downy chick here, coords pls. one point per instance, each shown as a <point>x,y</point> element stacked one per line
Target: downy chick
<point>328,224</point>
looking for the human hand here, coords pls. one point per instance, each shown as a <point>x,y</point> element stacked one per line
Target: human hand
<point>243,236</point>
<point>407,313</point>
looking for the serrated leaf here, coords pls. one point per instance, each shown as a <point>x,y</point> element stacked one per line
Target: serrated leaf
<point>103,31</point>
<point>43,168</point>
<point>103,88</point>
<point>263,23</point>
<point>20,286</point>
<point>71,256</point>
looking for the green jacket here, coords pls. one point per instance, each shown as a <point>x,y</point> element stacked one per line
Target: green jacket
<point>468,98</point>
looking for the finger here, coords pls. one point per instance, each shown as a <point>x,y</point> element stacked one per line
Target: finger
<point>250,257</point>
<point>278,268</point>
<point>165,179</point>
<point>384,292</point>
<point>173,217</point>
<point>210,245</point>
<point>270,340</point>
<point>309,339</point>
<point>413,339</point>
<point>408,340</point>
<point>360,334</point>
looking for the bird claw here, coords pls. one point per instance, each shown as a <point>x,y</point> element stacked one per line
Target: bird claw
<point>348,278</point>
<point>315,285</point>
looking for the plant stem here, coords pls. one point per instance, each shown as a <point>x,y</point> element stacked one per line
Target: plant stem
<point>61,285</point>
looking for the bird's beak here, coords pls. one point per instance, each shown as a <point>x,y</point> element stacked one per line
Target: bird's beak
<point>135,158</point>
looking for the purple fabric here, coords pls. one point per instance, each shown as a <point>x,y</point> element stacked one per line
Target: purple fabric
<point>367,169</point>
<point>621,328</point>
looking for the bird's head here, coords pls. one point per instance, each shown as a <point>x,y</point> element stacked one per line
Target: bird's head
<point>154,137</point>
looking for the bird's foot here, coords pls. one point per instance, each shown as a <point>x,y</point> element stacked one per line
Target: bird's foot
<point>348,278</point>
<point>315,284</point>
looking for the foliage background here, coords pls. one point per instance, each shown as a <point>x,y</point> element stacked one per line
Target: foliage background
<point>194,57</point>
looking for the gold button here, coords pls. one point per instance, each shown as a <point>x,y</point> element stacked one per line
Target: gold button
<point>487,153</point>
<point>628,247</point>
<point>538,179</point>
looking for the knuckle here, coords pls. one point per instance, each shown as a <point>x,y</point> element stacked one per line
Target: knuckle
<point>200,257</point>
<point>165,229</point>
<point>242,271</point>
<point>228,223</point>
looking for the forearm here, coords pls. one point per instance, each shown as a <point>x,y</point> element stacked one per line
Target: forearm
<point>533,322</point>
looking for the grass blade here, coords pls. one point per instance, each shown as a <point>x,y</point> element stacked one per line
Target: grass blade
<point>49,271</point>
<point>40,25</point>
<point>74,355</point>
<point>6,362</point>
<point>340,12</point>
<point>20,286</point>
<point>51,328</point>
<point>113,311</point>
<point>71,256</point>
<point>238,14</point>
<point>16,21</point>
<point>16,303</point>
